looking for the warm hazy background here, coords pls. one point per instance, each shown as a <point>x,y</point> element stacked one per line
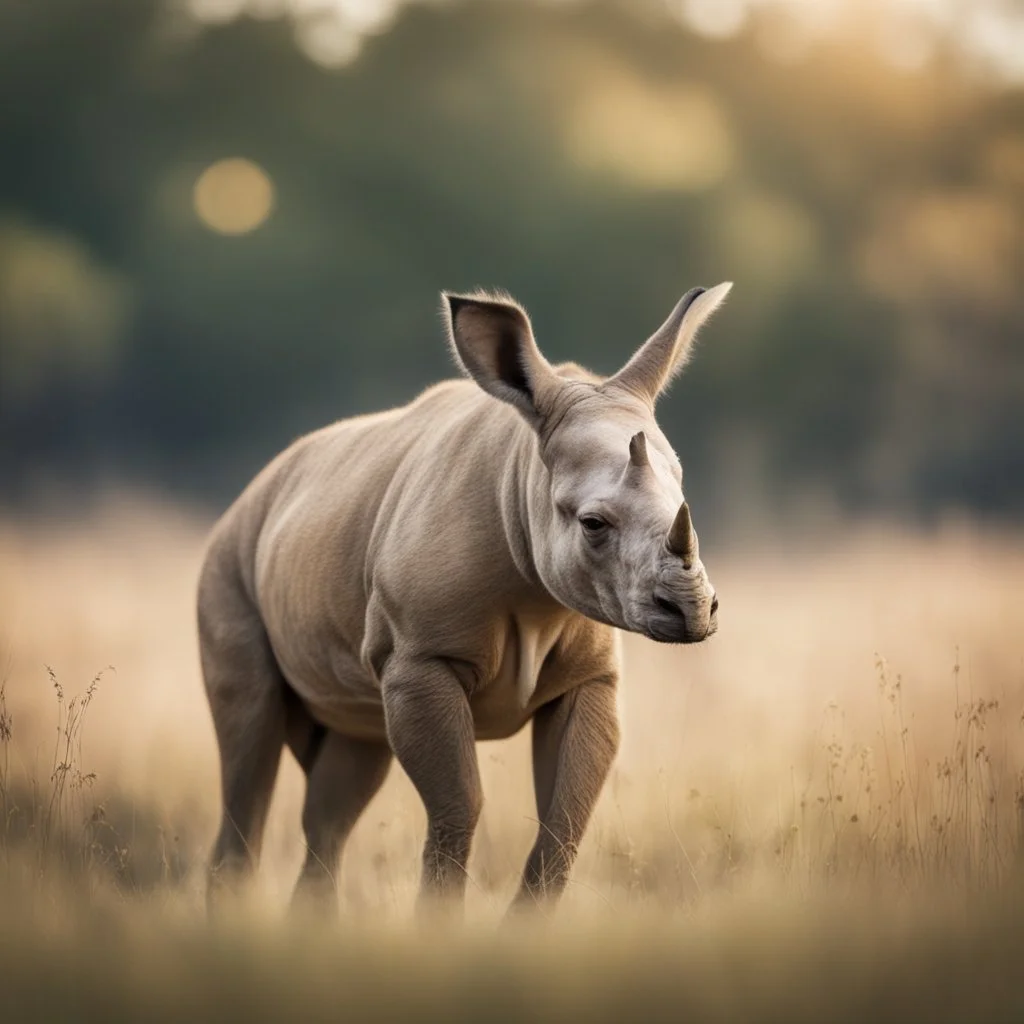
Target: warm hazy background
<point>224,222</point>
<point>856,167</point>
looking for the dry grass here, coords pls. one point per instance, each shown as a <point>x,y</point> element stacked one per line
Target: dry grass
<point>831,785</point>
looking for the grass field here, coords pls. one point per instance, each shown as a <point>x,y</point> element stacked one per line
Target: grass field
<point>816,815</point>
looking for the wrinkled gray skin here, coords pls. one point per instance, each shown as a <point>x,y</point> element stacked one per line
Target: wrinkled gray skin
<point>406,583</point>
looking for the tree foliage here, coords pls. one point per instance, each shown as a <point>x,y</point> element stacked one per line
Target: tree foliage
<point>594,163</point>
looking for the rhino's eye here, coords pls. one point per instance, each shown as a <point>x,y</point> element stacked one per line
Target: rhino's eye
<point>593,526</point>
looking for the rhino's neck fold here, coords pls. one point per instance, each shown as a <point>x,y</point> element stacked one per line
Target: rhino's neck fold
<point>525,505</point>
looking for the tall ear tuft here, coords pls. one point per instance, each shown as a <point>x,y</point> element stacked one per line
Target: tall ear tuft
<point>492,340</point>
<point>668,350</point>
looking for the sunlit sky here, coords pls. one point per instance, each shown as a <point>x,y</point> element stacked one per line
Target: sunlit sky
<point>906,32</point>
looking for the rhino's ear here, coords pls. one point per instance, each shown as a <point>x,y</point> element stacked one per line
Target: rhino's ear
<point>492,340</point>
<point>668,350</point>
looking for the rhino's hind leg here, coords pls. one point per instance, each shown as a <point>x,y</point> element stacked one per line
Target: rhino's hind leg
<point>247,696</point>
<point>341,779</point>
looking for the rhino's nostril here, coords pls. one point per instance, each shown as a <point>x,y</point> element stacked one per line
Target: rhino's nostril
<point>714,604</point>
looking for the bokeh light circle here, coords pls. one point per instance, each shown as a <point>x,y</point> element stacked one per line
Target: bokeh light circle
<point>233,196</point>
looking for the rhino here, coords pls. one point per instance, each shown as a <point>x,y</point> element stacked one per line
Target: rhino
<point>403,584</point>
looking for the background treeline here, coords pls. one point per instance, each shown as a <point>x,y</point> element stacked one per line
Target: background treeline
<point>594,161</point>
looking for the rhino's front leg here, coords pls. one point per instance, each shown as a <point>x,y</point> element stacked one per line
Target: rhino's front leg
<point>430,729</point>
<point>575,739</point>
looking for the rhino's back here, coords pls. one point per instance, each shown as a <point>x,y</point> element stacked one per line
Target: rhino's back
<point>332,492</point>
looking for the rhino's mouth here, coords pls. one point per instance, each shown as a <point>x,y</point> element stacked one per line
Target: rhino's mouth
<point>676,634</point>
<point>664,638</point>
<point>669,626</point>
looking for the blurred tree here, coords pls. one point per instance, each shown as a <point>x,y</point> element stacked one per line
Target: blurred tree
<point>593,162</point>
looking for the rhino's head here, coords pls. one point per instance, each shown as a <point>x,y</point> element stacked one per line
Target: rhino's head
<point>611,533</point>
